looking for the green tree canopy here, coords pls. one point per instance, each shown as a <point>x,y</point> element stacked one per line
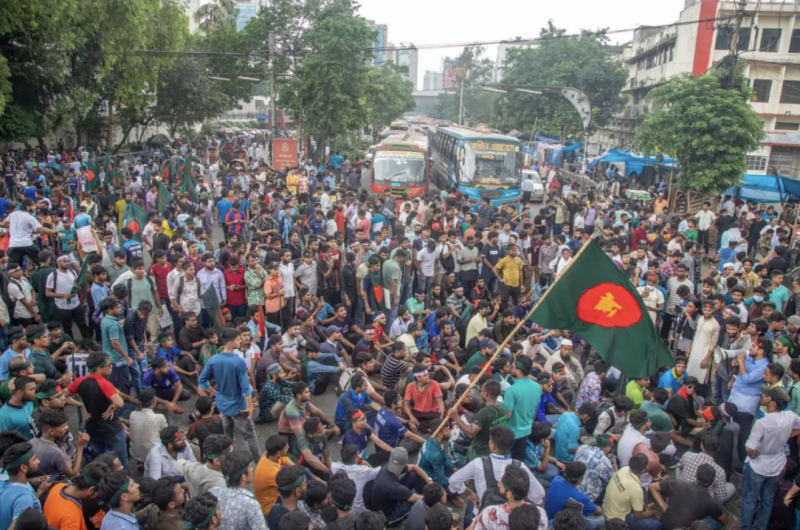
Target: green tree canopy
<point>708,128</point>
<point>388,96</point>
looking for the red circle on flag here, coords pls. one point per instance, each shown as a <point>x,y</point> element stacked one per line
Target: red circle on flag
<point>609,305</point>
<point>134,226</point>
<point>89,175</point>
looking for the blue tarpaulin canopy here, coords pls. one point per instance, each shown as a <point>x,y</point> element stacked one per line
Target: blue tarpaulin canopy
<point>632,162</point>
<point>570,148</point>
<point>767,188</point>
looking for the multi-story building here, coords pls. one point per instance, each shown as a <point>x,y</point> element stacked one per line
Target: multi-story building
<point>381,43</point>
<point>769,52</point>
<point>408,56</point>
<point>432,80</point>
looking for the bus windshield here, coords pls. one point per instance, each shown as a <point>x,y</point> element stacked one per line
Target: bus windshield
<point>401,167</point>
<point>487,163</point>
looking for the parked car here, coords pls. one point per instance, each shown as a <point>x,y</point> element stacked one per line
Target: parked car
<point>538,187</point>
<point>368,155</point>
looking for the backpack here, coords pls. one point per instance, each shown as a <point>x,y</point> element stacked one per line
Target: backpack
<point>343,384</point>
<point>449,263</point>
<point>492,497</point>
<point>129,285</point>
<point>181,283</point>
<point>602,408</point>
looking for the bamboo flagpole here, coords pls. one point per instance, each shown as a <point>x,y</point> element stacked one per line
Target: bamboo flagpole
<point>512,334</point>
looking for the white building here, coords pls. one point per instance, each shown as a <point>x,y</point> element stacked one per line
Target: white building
<point>769,46</point>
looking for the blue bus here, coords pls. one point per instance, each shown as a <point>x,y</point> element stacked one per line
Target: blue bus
<point>481,164</point>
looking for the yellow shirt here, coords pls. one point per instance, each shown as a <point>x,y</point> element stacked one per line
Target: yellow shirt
<point>264,485</point>
<point>623,495</point>
<point>291,182</point>
<point>510,267</point>
<point>120,206</point>
<point>476,324</point>
<point>167,230</point>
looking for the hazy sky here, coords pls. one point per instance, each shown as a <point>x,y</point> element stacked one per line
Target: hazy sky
<point>464,21</point>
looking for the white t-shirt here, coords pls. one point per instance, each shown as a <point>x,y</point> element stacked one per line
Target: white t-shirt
<point>630,439</point>
<point>16,294</point>
<point>360,475</point>
<point>22,225</point>
<point>704,219</point>
<point>63,283</point>
<point>252,352</point>
<point>427,261</point>
<point>652,299</point>
<point>287,274</point>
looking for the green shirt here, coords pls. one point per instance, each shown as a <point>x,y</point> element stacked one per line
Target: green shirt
<point>691,235</point>
<point>412,305</point>
<point>636,393</point>
<point>110,329</point>
<point>391,271</point>
<point>54,346</point>
<point>141,290</point>
<point>486,418</point>
<point>522,399</point>
<point>658,417</point>
<point>794,393</point>
<point>114,273</point>
<point>476,360</point>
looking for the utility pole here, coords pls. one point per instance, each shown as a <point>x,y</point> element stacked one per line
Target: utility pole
<point>734,48</point>
<point>461,105</point>
<point>272,89</point>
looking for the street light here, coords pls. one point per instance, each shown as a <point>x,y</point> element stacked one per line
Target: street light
<point>528,91</point>
<point>496,90</point>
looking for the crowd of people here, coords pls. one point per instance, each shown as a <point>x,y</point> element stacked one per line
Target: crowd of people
<point>398,309</point>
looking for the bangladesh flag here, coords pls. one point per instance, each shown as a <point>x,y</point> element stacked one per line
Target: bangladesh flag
<point>188,184</point>
<point>93,174</point>
<point>213,307</point>
<point>136,219</point>
<point>171,170</point>
<point>164,197</point>
<point>594,299</point>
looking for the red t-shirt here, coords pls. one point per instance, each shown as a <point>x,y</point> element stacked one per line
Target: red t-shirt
<point>239,296</point>
<point>426,400</point>
<point>160,274</point>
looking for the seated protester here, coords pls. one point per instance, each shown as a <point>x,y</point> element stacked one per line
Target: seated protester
<point>599,468</point>
<point>315,502</point>
<point>359,433</point>
<point>201,477</point>
<point>58,339</point>
<point>390,427</point>
<point>434,461</point>
<point>490,415</point>
<point>17,367</point>
<point>161,459</point>
<point>513,488</point>
<point>357,469</point>
<point>537,455</point>
<point>16,494</point>
<point>50,396</point>
<point>501,372</point>
<point>332,343</point>
<point>356,398</point>
<point>312,450</point>
<point>411,336</point>
<point>269,357</point>
<point>651,450</point>
<point>691,461</point>
<point>203,512</point>
<point>52,460</point>
<point>500,443</point>
<point>432,494</point>
<point>290,424</point>
<point>437,372</point>
<point>423,400</point>
<point>119,494</point>
<point>168,498</point>
<point>610,419</point>
<point>482,355</point>
<point>145,426</point>
<point>632,436</point>
<point>16,413</point>
<point>682,407</point>
<point>671,380</point>
<point>275,394</point>
<point>343,493</point>
<point>43,361</point>
<point>318,369</point>
<point>637,391</point>
<point>565,488</point>
<point>689,501</point>
<point>396,488</point>
<point>182,362</point>
<point>548,411</point>
<point>292,485</point>
<point>190,337</point>
<point>64,505</point>
<point>624,498</point>
<point>590,389</point>
<point>365,364</point>
<point>659,419</point>
<point>444,349</point>
<point>238,508</point>
<point>394,366</point>
<point>169,388</point>
<point>568,432</point>
<point>207,422</point>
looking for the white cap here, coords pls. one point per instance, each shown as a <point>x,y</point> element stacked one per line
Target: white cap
<point>566,342</point>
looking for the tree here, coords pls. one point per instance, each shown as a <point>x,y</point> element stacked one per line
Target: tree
<point>707,127</point>
<point>388,96</point>
<point>328,90</point>
<point>580,62</point>
<point>217,14</point>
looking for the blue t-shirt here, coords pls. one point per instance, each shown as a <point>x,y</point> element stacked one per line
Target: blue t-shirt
<point>224,206</point>
<point>388,428</point>
<point>560,492</point>
<point>9,354</point>
<point>668,380</point>
<point>150,379</point>
<point>82,219</point>
<point>568,430</point>
<point>541,412</point>
<point>726,255</point>
<point>16,419</point>
<point>233,383</point>
<point>349,401</point>
<point>779,296</point>
<point>170,354</point>
<point>4,204</point>
<point>15,498</point>
<point>352,437</point>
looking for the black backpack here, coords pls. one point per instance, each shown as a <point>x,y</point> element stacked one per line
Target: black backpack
<point>182,282</point>
<point>492,496</point>
<point>449,263</point>
<point>602,408</point>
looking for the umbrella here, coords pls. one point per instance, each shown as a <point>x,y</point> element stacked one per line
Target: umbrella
<point>158,155</point>
<point>159,139</point>
<point>55,167</point>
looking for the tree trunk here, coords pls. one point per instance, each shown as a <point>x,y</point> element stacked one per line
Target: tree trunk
<point>110,126</point>
<point>124,137</point>
<point>42,145</point>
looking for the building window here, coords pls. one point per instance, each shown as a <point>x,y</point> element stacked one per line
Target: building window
<point>761,90</point>
<point>786,126</point>
<point>724,36</point>
<point>671,53</point>
<point>770,39</point>
<point>794,44</point>
<point>744,39</point>
<point>756,163</point>
<point>791,92</point>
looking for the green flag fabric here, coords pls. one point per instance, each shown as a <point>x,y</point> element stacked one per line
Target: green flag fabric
<point>594,299</point>
<point>164,197</point>
<point>81,281</point>
<point>93,174</point>
<point>188,184</point>
<point>135,218</point>
<point>214,309</point>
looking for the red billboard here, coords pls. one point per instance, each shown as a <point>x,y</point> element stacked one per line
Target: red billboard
<point>284,154</point>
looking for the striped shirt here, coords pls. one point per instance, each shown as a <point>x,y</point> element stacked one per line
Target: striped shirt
<point>392,369</point>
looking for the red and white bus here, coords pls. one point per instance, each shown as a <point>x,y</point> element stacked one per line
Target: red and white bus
<point>400,166</point>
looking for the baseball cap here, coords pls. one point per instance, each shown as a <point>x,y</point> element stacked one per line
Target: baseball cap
<point>488,343</point>
<point>793,320</point>
<point>775,392</point>
<point>398,460</point>
<point>330,330</point>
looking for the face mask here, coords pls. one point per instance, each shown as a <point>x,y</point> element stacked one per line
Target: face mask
<point>650,287</point>
<point>758,298</point>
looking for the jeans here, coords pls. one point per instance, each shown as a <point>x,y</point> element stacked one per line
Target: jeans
<point>405,292</point>
<point>359,316</point>
<point>546,477</point>
<point>721,392</point>
<point>757,489</point>
<point>642,524</point>
<point>391,316</point>
<point>136,374</point>
<point>119,445</point>
<point>243,425</point>
<point>78,316</point>
<point>594,522</point>
<point>238,310</point>
<point>745,422</point>
<point>121,378</point>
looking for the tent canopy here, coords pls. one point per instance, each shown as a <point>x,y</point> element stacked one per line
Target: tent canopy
<point>767,188</point>
<point>633,162</point>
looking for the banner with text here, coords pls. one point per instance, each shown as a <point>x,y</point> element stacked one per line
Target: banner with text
<point>284,154</point>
